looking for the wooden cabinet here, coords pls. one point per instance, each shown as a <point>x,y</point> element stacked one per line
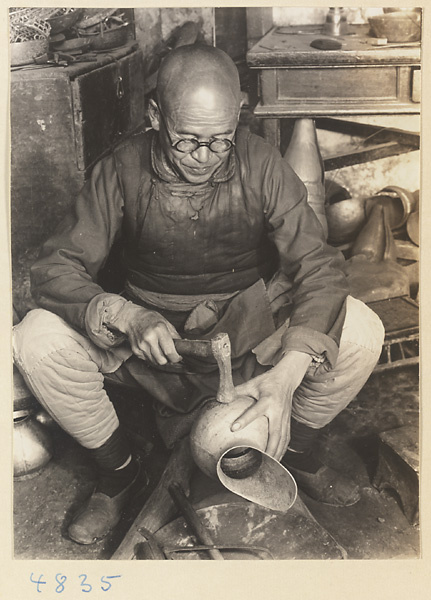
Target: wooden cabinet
<point>63,119</point>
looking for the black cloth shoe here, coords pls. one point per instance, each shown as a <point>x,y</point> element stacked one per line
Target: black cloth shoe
<point>102,512</point>
<point>326,485</point>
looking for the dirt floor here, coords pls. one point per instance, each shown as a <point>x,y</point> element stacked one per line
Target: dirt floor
<point>375,528</point>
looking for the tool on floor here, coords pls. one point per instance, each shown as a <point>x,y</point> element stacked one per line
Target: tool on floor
<point>202,534</point>
<point>150,549</point>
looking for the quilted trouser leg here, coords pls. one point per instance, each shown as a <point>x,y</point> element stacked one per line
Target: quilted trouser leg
<point>323,394</point>
<point>64,370</point>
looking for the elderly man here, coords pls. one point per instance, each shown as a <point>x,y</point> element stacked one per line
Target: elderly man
<point>216,235</point>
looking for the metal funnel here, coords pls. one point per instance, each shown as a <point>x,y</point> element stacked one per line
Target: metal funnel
<point>269,485</point>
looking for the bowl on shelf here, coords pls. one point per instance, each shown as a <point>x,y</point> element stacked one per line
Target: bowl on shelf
<point>73,45</point>
<point>111,38</point>
<point>390,9</point>
<point>399,26</point>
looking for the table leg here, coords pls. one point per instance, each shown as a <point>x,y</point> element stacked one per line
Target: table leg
<point>271,131</point>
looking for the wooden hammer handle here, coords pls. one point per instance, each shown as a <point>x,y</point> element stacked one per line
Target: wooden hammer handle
<point>222,352</point>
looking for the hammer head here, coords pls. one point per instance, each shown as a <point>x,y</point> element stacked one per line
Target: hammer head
<point>219,347</point>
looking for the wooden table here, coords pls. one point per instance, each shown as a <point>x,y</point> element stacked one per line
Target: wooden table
<point>297,80</point>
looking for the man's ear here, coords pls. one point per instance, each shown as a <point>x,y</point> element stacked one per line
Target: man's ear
<point>154,115</point>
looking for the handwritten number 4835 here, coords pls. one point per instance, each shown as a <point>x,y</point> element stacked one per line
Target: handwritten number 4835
<point>85,587</point>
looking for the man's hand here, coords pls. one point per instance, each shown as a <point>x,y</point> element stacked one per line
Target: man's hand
<point>273,392</point>
<point>150,334</point>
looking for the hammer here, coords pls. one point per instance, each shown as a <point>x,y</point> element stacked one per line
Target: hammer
<point>219,347</point>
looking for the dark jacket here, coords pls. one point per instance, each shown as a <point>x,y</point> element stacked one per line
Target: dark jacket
<point>249,222</point>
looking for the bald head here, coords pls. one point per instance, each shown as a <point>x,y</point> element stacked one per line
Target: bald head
<point>198,76</point>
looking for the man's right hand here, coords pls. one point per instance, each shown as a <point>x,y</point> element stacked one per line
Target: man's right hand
<point>150,334</point>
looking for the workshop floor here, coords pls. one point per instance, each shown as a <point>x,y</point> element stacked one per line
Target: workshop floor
<point>375,528</point>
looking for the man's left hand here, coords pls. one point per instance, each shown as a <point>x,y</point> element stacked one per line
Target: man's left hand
<point>273,392</point>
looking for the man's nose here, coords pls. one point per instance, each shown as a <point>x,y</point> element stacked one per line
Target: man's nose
<point>201,154</point>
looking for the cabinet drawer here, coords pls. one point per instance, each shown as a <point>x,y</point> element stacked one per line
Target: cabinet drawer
<point>107,103</point>
<point>333,87</point>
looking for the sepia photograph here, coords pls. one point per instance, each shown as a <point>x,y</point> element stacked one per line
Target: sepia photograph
<point>215,244</point>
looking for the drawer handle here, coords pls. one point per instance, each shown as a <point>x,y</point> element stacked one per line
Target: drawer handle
<point>120,88</point>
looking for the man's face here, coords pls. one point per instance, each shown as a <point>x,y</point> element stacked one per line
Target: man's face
<point>204,116</point>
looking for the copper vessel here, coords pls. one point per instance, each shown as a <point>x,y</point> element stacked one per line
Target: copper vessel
<point>32,446</point>
<point>238,459</point>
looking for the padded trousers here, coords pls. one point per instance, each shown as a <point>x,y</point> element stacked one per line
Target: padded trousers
<point>65,371</point>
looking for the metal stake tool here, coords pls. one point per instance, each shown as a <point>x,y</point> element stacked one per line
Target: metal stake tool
<point>191,517</point>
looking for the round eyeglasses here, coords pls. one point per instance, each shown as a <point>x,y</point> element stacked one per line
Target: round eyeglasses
<point>186,146</point>
<point>217,146</point>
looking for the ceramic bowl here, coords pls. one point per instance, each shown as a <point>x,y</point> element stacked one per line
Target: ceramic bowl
<point>400,26</point>
<point>74,45</point>
<point>112,38</point>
